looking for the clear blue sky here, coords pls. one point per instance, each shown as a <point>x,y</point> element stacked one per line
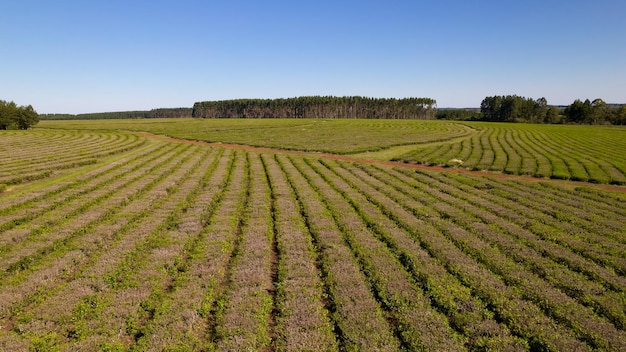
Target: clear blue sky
<point>82,56</point>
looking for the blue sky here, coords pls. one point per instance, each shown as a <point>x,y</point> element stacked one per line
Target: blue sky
<point>110,55</point>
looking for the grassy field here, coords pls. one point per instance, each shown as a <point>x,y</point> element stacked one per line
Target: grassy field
<point>583,153</point>
<point>129,243</point>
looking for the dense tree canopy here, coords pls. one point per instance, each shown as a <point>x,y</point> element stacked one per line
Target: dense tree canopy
<point>595,112</point>
<point>458,114</point>
<point>319,107</point>
<point>17,117</point>
<point>513,108</point>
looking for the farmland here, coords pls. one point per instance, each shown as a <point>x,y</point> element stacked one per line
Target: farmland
<point>580,153</point>
<point>122,242</point>
<point>570,152</point>
<point>341,136</point>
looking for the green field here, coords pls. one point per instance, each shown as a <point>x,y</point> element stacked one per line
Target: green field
<point>121,242</point>
<point>583,153</point>
<point>332,135</point>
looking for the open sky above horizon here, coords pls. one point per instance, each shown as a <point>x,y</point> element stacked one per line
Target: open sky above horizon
<point>80,56</point>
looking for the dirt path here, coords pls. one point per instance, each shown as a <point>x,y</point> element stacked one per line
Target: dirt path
<point>499,175</point>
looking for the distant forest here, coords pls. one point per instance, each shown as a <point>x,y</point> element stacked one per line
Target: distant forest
<point>513,108</point>
<point>139,114</point>
<point>498,108</point>
<point>319,107</point>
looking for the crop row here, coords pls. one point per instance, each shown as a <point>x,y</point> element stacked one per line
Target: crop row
<point>469,228</point>
<point>37,155</point>
<point>584,153</point>
<point>190,247</point>
<point>80,235</point>
<point>561,152</point>
<point>323,135</point>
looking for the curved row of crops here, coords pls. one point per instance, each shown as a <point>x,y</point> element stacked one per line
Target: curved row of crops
<point>581,153</point>
<point>340,136</point>
<point>188,247</point>
<point>36,155</point>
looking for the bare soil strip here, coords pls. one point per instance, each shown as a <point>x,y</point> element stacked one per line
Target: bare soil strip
<point>613,188</point>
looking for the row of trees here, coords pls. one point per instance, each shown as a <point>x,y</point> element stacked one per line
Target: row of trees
<point>509,108</point>
<point>13,116</point>
<point>513,108</point>
<point>138,114</point>
<point>595,112</point>
<point>319,107</point>
<point>459,114</point>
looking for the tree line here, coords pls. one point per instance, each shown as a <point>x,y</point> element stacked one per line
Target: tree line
<point>137,114</point>
<point>513,108</point>
<point>319,107</point>
<point>498,108</point>
<point>13,116</point>
<point>595,112</point>
<point>458,114</point>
